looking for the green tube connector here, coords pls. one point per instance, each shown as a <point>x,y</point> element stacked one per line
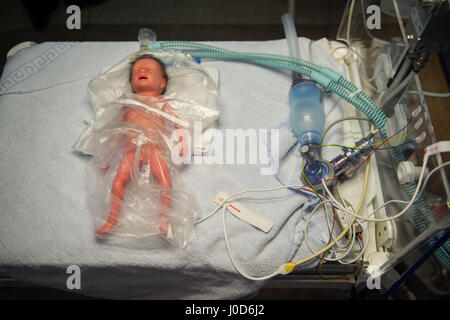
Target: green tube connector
<point>333,75</point>
<point>321,79</point>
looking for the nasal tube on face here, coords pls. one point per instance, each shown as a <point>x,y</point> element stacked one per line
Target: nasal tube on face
<point>307,117</point>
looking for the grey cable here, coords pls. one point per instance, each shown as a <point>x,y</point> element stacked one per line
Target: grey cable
<point>395,91</point>
<point>402,72</point>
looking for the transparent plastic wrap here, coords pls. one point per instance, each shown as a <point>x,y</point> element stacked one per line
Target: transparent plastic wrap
<point>138,143</point>
<point>192,89</point>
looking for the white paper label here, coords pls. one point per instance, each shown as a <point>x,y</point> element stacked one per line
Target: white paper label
<point>244,213</point>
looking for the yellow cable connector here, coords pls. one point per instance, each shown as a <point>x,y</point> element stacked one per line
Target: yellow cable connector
<point>289,267</point>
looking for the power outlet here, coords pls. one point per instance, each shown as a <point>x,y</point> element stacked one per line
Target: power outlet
<point>386,234</point>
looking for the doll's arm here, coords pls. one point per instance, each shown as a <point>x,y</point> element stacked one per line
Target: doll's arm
<point>180,130</point>
<point>168,108</point>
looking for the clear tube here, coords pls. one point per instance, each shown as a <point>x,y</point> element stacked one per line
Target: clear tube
<point>291,35</point>
<point>292,39</point>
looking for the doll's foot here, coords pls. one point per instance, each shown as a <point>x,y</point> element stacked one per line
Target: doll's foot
<point>109,224</point>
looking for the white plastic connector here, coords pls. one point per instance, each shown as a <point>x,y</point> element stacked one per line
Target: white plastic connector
<point>407,172</point>
<point>145,37</point>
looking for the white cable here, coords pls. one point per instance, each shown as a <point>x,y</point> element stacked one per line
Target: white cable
<point>340,259</point>
<point>230,255</point>
<point>387,203</point>
<point>445,164</point>
<point>341,246</point>
<point>245,191</point>
<point>227,243</point>
<point>48,87</point>
<point>225,232</point>
<point>362,250</point>
<point>364,231</point>
<point>337,204</point>
<point>313,251</point>
<point>432,94</point>
<point>349,245</point>
<point>422,189</point>
<point>351,237</point>
<point>334,201</point>
<point>229,251</point>
<point>330,227</point>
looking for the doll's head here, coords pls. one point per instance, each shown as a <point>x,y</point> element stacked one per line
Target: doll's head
<point>148,76</point>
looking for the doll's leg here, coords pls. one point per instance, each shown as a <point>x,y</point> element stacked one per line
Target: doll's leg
<point>118,190</point>
<point>160,171</point>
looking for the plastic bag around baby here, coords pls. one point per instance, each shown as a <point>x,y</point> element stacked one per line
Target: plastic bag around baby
<point>192,89</point>
<point>135,189</point>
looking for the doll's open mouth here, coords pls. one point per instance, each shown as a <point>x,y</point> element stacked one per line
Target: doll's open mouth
<point>143,78</point>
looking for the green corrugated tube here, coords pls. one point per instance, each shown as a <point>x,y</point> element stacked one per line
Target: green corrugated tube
<point>326,77</point>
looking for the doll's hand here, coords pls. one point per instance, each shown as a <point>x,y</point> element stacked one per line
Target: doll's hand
<point>180,141</point>
<point>183,142</point>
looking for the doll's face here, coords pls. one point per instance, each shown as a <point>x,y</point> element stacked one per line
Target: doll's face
<point>147,77</point>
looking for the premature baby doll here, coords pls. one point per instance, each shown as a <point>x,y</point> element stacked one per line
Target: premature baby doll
<point>148,79</point>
